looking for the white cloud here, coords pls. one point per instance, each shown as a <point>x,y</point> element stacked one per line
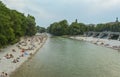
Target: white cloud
<point>49,10</point>
<point>29,7</point>
<point>103,5</point>
<point>94,4</point>
<point>15,4</point>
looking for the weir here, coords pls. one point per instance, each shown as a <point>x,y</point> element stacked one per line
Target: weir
<point>103,35</point>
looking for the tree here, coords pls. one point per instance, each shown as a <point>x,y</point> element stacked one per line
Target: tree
<point>40,29</point>
<point>14,25</point>
<point>59,28</point>
<point>31,26</point>
<point>77,28</point>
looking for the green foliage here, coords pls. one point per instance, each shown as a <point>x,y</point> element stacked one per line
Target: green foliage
<point>59,28</point>
<point>40,29</point>
<point>13,25</point>
<point>113,27</point>
<point>62,28</point>
<point>90,27</point>
<point>3,40</point>
<point>76,28</point>
<point>31,28</point>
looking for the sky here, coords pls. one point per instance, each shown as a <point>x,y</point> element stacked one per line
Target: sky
<point>49,11</point>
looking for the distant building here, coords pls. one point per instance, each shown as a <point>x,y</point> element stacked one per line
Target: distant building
<point>117,19</point>
<point>76,21</point>
<point>111,23</point>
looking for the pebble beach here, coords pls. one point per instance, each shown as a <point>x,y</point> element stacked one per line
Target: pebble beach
<point>13,56</point>
<point>114,44</point>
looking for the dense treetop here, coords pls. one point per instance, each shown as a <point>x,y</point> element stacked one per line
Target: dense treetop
<point>14,24</point>
<point>41,29</point>
<point>75,28</point>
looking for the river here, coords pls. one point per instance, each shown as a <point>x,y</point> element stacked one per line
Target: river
<point>62,57</point>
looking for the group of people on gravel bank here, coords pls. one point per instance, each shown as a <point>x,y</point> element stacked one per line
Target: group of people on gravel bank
<point>21,51</point>
<point>3,74</point>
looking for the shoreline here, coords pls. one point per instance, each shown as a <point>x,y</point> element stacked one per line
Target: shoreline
<point>109,43</point>
<point>33,44</point>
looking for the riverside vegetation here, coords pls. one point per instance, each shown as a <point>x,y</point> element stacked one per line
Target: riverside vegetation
<point>76,28</point>
<point>14,25</point>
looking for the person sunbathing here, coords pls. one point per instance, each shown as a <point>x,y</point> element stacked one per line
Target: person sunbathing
<point>6,75</point>
<point>2,74</point>
<point>11,56</point>
<point>13,50</point>
<point>8,56</point>
<point>15,61</point>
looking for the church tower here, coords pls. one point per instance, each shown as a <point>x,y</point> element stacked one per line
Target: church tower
<point>76,21</point>
<point>117,19</point>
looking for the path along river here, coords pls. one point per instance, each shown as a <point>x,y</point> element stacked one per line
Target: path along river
<point>62,57</point>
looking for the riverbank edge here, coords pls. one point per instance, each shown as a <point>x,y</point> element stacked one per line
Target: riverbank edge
<point>113,44</point>
<point>8,66</point>
<point>28,58</point>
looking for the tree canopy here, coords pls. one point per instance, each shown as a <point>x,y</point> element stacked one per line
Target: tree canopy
<point>14,25</point>
<point>59,28</point>
<point>63,28</point>
<point>75,28</point>
<point>41,29</point>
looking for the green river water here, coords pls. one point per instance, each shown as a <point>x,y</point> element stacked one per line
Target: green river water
<point>62,57</point>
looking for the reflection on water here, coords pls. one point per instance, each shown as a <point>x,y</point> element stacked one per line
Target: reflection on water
<point>61,57</point>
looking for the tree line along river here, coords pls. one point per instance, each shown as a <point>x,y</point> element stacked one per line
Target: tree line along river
<point>62,57</point>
